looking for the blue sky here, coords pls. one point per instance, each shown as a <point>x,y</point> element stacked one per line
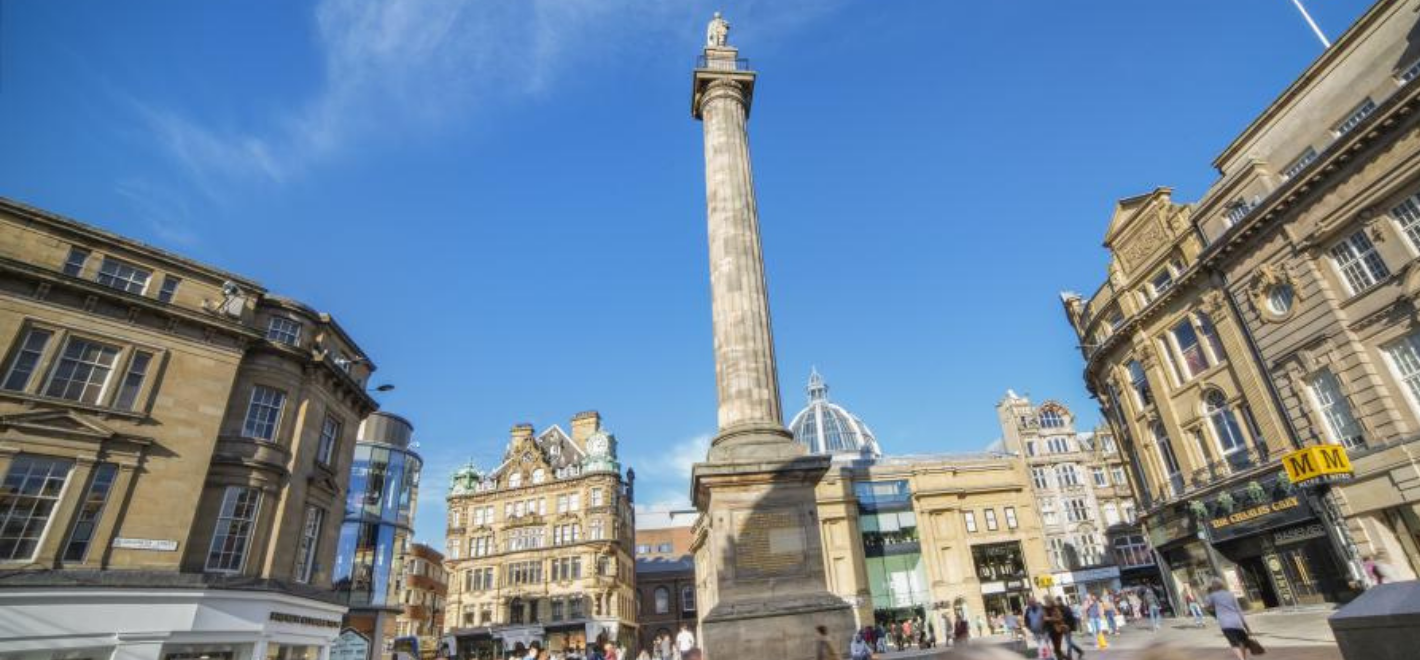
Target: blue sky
<point>504,201</point>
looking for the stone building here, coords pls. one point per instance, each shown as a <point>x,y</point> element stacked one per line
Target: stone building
<point>174,441</point>
<point>1274,314</point>
<point>1085,501</point>
<point>920,536</point>
<point>539,548</point>
<point>424,587</point>
<point>1313,229</point>
<point>665,572</point>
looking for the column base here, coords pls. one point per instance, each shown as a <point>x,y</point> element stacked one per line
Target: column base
<point>759,557</point>
<point>755,443</point>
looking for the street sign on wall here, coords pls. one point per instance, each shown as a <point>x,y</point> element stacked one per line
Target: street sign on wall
<point>1318,463</point>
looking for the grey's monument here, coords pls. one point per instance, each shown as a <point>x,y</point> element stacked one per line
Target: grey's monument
<point>758,558</point>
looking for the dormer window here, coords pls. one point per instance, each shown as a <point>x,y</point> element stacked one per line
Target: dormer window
<point>1239,208</point>
<point>1161,282</point>
<point>123,276</point>
<point>1355,118</point>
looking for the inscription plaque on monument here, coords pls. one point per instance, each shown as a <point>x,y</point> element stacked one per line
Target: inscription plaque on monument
<point>768,544</point>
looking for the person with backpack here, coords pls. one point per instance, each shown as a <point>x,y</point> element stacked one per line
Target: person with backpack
<point>1035,622</point>
<point>1072,623</point>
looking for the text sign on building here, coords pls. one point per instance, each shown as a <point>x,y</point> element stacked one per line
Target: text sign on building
<point>1317,463</point>
<point>161,545</point>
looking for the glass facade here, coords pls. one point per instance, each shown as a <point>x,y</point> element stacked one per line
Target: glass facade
<point>379,512</point>
<point>892,551</point>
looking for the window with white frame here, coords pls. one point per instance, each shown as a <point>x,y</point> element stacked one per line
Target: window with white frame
<point>597,529</point>
<point>662,600</point>
<point>1076,509</point>
<point>482,546</point>
<point>1132,550</point>
<point>1040,477</point>
<point>1050,418</point>
<point>1341,425</point>
<point>598,497</point>
<point>91,508</point>
<point>1161,281</point>
<point>31,491</point>
<point>263,413</point>
<point>1129,512</point>
<point>1117,472</point>
<point>1404,357</point>
<point>1358,262</point>
<point>1068,474</point>
<point>1407,216</point>
<point>329,438</point>
<point>687,599</point>
<point>990,515</point>
<point>26,360</point>
<point>307,545</point>
<point>1047,511</point>
<point>1057,553</point>
<point>123,276</point>
<point>231,537</point>
<point>1111,513</point>
<point>1091,552</point>
<point>284,330</point>
<point>1354,119</point>
<point>969,518</point>
<point>1140,383</point>
<point>1191,352</point>
<point>1011,522</point>
<point>1224,422</point>
<point>1100,478</point>
<point>1058,445</point>
<point>515,480</point>
<point>83,371</point>
<point>1166,454</point>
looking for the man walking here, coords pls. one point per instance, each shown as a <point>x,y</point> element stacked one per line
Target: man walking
<point>684,641</point>
<point>1151,603</point>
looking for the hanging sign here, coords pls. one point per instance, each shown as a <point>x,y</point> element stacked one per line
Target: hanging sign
<point>1317,464</point>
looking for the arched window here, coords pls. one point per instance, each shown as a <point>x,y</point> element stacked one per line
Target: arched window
<point>539,475</point>
<point>515,480</point>
<point>1225,422</point>
<point>1051,418</point>
<point>663,600</point>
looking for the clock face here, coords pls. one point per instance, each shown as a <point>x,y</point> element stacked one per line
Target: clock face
<point>527,457</point>
<point>597,444</point>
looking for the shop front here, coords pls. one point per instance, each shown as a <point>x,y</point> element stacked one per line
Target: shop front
<point>1074,585</point>
<point>164,624</point>
<point>1262,537</point>
<point>1001,568</point>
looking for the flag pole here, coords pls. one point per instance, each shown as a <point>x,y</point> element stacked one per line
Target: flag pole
<point>1312,23</point>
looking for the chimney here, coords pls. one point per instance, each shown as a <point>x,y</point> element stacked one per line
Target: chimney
<point>584,424</point>
<point>521,431</point>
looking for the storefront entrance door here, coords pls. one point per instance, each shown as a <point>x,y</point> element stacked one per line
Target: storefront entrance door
<point>1259,588</point>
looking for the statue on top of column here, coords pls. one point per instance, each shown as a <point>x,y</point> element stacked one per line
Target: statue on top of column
<point>717,33</point>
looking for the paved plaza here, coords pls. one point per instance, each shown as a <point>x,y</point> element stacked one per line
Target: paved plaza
<point>1301,634</point>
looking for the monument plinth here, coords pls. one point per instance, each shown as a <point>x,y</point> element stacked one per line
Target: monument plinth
<point>758,557</point>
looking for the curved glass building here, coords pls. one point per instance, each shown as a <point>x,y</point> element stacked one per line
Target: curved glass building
<point>378,522</point>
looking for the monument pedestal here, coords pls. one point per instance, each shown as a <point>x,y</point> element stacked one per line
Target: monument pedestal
<point>759,558</point>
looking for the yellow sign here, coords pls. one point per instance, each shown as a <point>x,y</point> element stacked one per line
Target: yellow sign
<point>1320,462</point>
<point>1044,581</point>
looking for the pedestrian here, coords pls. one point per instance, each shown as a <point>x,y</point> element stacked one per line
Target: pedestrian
<point>1378,570</point>
<point>1191,601</point>
<point>1151,603</point>
<point>859,649</point>
<point>961,630</point>
<point>907,632</point>
<point>684,641</point>
<point>824,650</point>
<point>1035,622</point>
<point>1111,611</point>
<point>1055,626</point>
<point>643,655</point>
<point>980,626</point>
<point>1224,606</point>
<point>1072,623</point>
<point>666,647</point>
<point>1013,627</point>
<point>1094,615</point>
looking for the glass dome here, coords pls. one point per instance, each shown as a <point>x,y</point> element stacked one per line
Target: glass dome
<point>826,428</point>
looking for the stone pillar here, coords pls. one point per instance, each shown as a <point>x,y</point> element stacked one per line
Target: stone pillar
<point>759,561</point>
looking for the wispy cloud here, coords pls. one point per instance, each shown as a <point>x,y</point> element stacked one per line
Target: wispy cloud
<point>401,68</point>
<point>165,212</point>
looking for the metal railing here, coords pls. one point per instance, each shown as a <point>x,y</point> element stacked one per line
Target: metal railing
<point>1242,460</point>
<point>722,63</point>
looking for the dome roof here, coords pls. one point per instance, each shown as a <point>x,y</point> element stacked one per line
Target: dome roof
<point>826,428</point>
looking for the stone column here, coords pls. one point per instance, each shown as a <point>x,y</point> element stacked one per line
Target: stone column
<point>759,559</point>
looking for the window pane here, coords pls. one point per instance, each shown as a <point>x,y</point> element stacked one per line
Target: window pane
<point>74,265</point>
<point>232,534</point>
<point>86,520</point>
<point>123,276</point>
<point>1189,351</point>
<point>27,498</point>
<point>82,372</point>
<point>169,288</point>
<point>27,360</point>
<point>263,413</point>
<point>133,380</point>
<point>1341,425</point>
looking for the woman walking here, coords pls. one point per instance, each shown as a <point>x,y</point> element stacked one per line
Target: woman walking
<point>1224,605</point>
<point>1055,626</point>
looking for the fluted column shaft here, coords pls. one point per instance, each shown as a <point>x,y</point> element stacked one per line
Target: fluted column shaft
<point>745,372</point>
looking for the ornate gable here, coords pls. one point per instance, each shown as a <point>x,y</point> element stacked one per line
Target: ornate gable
<point>1142,227</point>
<point>63,423</point>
